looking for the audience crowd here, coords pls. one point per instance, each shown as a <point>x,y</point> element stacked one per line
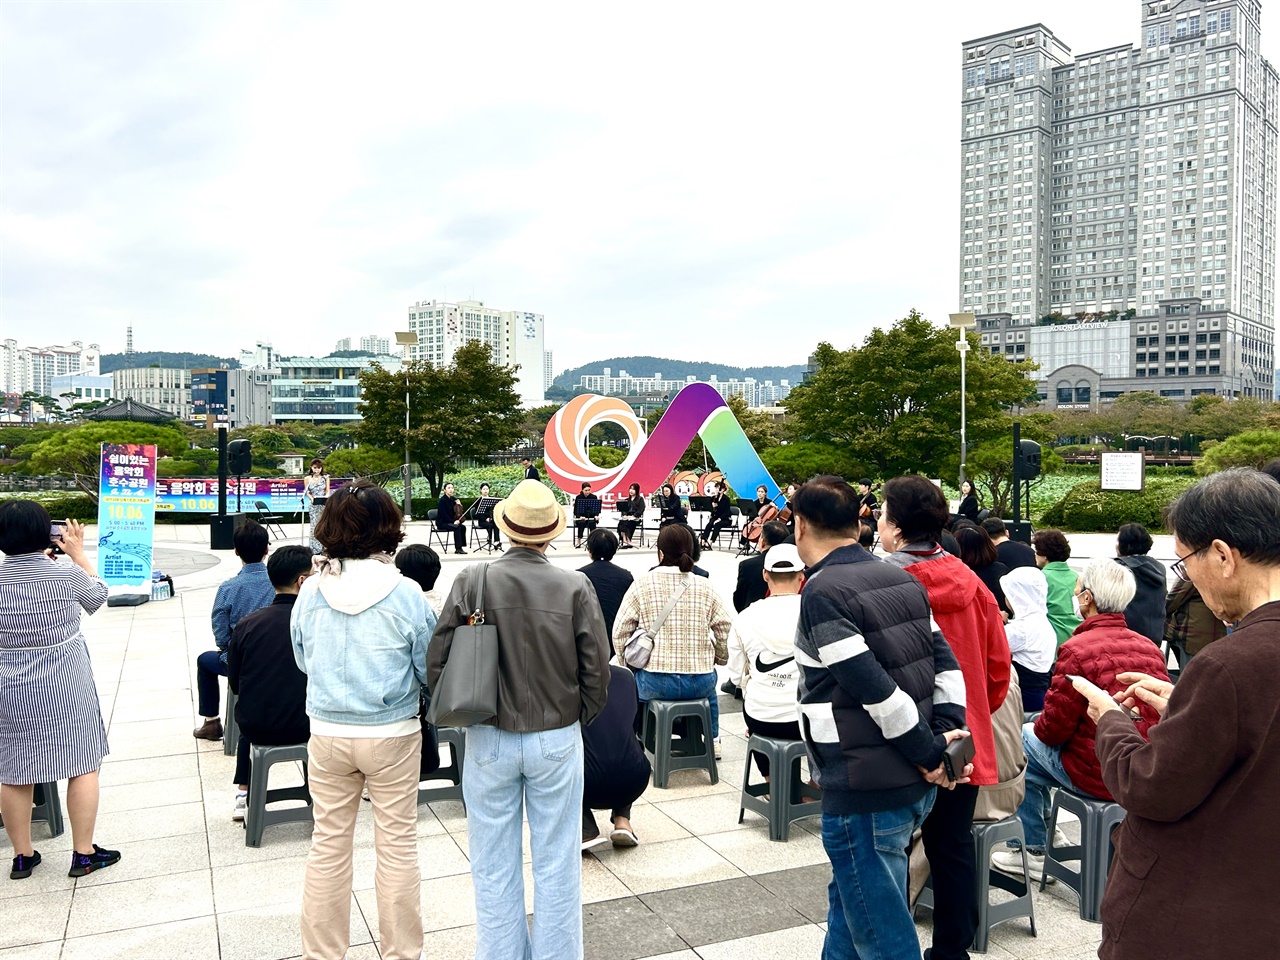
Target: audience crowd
<point>903,643</point>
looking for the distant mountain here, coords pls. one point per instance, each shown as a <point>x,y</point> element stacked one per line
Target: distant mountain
<point>677,370</point>
<point>161,358</point>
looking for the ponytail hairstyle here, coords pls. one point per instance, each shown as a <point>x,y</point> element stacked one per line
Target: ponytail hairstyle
<point>675,546</point>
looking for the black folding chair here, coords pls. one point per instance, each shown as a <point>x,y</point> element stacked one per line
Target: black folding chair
<point>270,520</point>
<point>436,535</point>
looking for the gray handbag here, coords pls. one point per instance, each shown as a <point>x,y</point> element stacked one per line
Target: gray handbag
<point>467,691</point>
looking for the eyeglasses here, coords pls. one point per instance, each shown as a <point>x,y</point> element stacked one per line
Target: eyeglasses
<point>1180,565</point>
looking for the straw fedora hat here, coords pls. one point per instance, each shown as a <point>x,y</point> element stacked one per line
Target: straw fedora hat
<point>530,514</point>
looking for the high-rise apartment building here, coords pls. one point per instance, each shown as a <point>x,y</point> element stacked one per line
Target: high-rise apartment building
<point>547,372</point>
<point>514,337</point>
<point>25,369</point>
<point>342,345</point>
<point>379,346</point>
<point>1132,185</point>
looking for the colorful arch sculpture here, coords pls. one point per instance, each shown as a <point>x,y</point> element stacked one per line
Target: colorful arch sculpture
<point>696,411</point>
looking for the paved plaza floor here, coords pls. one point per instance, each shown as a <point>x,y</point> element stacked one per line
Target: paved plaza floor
<point>699,885</point>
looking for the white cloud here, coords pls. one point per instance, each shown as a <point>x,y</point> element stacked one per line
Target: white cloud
<point>700,180</point>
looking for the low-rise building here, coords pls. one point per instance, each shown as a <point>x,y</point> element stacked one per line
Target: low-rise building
<point>165,388</point>
<point>231,398</point>
<point>322,389</point>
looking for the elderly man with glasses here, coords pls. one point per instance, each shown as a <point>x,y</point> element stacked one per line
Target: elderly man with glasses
<point>1059,743</point>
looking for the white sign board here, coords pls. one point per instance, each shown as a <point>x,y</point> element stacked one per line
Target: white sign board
<point>1123,471</point>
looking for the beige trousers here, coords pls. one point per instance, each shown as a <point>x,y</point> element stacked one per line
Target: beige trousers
<point>339,767</point>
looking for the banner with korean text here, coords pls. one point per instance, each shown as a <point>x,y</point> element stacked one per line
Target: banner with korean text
<point>279,495</point>
<point>126,513</point>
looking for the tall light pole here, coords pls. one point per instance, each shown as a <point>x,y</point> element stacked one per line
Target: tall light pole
<point>407,339</point>
<point>962,322</point>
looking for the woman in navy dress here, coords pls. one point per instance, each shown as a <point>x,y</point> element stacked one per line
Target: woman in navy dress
<point>50,723</point>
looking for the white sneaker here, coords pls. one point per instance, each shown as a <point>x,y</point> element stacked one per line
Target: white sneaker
<point>1061,840</point>
<point>364,794</point>
<point>719,749</point>
<point>1010,862</point>
<point>242,802</point>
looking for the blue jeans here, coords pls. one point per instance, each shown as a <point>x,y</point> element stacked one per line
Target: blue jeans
<point>503,774</point>
<point>1044,771</point>
<point>680,686</point>
<point>868,917</point>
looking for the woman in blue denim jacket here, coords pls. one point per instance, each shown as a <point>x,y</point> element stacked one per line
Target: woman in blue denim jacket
<point>360,632</point>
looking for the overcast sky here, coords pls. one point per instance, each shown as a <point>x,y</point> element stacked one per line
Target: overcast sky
<point>721,181</point>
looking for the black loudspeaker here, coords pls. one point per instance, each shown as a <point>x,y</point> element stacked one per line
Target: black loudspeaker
<point>1019,531</point>
<point>222,530</point>
<point>1028,454</point>
<point>240,458</point>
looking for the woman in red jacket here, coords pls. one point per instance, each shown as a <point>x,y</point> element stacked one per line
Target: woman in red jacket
<point>911,522</point>
<point>1059,744</point>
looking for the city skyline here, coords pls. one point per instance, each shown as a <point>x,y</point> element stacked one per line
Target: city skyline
<point>216,174</point>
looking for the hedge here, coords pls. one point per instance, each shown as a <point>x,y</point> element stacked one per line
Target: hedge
<point>1086,509</point>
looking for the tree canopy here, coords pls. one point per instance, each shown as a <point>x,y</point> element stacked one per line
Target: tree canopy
<point>76,452</point>
<point>894,403</point>
<point>465,410</point>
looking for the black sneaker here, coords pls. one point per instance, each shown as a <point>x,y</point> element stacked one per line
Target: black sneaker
<point>83,864</point>
<point>22,866</point>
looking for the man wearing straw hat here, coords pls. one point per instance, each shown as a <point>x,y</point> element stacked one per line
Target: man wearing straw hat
<point>553,675</point>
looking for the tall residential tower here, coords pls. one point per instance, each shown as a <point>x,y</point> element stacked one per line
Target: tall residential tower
<point>1132,186</point>
<point>514,337</point>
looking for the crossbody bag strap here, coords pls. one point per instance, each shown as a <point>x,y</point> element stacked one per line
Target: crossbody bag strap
<point>670,606</point>
<point>477,615</point>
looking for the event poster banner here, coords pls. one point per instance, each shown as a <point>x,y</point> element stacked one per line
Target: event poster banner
<point>200,495</point>
<point>126,513</point>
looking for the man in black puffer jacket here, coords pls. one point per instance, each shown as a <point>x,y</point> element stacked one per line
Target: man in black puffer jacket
<point>881,694</point>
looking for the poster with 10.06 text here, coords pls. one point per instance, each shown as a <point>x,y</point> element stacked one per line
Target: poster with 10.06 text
<point>126,513</point>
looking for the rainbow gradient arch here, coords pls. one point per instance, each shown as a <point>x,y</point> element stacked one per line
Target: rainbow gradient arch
<point>696,411</point>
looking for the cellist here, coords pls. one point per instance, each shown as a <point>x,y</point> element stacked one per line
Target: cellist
<point>761,511</point>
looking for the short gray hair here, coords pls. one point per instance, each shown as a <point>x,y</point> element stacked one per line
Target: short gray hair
<point>1111,584</point>
<point>1240,507</point>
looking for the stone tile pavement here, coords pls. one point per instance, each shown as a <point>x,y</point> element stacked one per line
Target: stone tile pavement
<point>699,886</point>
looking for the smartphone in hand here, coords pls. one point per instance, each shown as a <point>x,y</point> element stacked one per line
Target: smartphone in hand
<point>956,755</point>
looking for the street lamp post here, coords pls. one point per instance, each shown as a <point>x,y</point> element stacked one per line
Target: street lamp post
<point>962,322</point>
<point>407,339</point>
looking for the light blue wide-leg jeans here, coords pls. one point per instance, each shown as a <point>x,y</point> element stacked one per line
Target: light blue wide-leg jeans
<point>504,775</point>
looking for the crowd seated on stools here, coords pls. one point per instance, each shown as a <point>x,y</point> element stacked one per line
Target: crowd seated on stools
<point>1060,742</point>
<point>261,671</point>
<point>247,591</point>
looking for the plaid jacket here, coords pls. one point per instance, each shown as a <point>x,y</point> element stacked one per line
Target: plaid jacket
<point>696,635</point>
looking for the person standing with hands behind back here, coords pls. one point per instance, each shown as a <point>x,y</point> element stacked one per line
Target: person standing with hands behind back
<point>50,722</point>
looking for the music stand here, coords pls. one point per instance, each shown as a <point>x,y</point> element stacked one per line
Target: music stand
<point>700,504</point>
<point>484,512</point>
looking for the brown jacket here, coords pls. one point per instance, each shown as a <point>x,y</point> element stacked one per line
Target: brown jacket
<point>1196,854</point>
<point>1189,626</point>
<point>553,649</point>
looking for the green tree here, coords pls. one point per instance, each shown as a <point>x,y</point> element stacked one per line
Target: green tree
<point>1253,448</point>
<point>894,402</point>
<point>76,452</point>
<point>465,410</point>
<point>361,462</point>
<point>799,460</point>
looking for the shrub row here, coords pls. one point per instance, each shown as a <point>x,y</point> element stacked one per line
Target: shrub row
<point>1087,509</point>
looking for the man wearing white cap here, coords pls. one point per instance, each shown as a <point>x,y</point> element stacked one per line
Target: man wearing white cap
<point>553,675</point>
<point>762,656</point>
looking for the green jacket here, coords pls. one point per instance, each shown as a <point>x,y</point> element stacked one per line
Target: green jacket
<point>1062,586</point>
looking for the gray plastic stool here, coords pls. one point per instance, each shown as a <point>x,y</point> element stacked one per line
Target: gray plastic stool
<point>985,837</point>
<point>790,798</point>
<point>257,817</point>
<point>231,729</point>
<point>1094,851</point>
<point>456,737</point>
<point>46,806</point>
<point>696,750</point>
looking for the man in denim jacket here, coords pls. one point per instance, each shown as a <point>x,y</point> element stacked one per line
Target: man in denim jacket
<point>553,675</point>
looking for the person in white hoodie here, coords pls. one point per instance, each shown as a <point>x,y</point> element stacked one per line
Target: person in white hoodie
<point>762,657</point>
<point>1032,639</point>
<point>360,632</point>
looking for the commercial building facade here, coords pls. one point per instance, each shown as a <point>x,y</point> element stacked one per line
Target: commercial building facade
<point>515,337</point>
<point>73,388</point>
<point>1134,185</point>
<point>321,389</point>
<point>231,398</point>
<point>165,388</point>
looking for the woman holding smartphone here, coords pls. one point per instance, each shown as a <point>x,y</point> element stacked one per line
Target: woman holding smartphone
<point>50,723</point>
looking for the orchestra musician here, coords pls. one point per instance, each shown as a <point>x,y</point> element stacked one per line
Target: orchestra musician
<point>631,511</point>
<point>586,514</point>
<point>449,514</point>
<point>485,521</point>
<point>673,510</point>
<point>787,516</point>
<point>867,508</point>
<point>721,516</point>
<point>759,512</point>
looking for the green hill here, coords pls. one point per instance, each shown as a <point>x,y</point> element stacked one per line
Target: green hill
<point>677,370</point>
<point>162,358</point>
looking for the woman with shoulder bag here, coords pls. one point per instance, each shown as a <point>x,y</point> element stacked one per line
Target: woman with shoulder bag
<point>694,635</point>
<point>360,634</point>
